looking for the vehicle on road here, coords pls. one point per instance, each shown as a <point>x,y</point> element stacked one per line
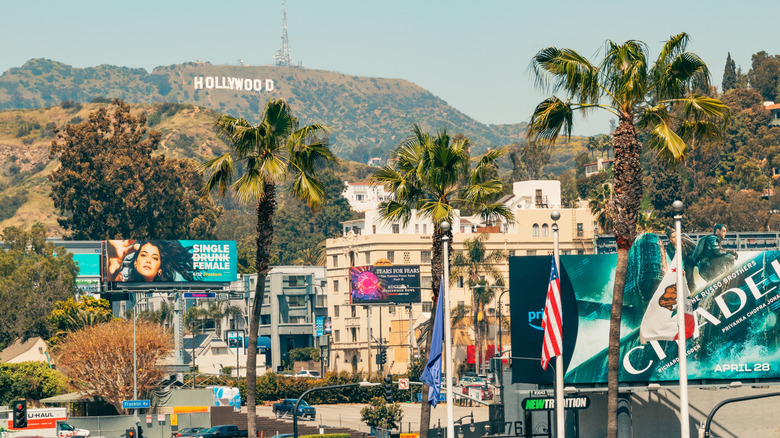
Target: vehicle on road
<point>311,374</point>
<point>187,432</point>
<point>286,406</point>
<point>283,435</point>
<point>469,380</point>
<point>480,388</point>
<point>222,431</point>
<point>44,423</point>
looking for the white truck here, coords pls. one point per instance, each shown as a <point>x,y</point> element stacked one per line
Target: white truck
<point>45,423</point>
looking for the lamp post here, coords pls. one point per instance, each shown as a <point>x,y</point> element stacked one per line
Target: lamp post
<point>559,413</point>
<point>445,228</point>
<point>322,388</point>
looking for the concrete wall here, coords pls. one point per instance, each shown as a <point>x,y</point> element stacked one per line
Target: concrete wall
<point>115,426</point>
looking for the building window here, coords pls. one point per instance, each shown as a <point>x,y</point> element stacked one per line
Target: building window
<point>367,258</point>
<point>511,253</point>
<point>416,228</point>
<point>545,230</point>
<point>534,231</point>
<point>461,303</point>
<point>396,229</point>
<point>530,252</point>
<point>373,229</point>
<point>335,261</point>
<point>580,231</point>
<point>391,256</point>
<point>298,320</point>
<point>425,256</point>
<point>296,300</point>
<point>354,312</point>
<point>427,306</point>
<point>336,286</point>
<point>426,282</point>
<point>336,311</point>
<point>425,228</point>
<point>354,331</point>
<point>391,310</point>
<point>460,282</point>
<point>337,335</point>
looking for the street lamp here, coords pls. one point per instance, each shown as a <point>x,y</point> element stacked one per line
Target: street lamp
<point>322,388</point>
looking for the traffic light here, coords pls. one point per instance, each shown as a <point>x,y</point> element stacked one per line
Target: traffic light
<point>130,433</point>
<point>389,388</point>
<point>383,356</point>
<point>20,414</point>
<point>140,432</point>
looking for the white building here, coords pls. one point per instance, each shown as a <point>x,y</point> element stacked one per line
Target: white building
<point>363,196</point>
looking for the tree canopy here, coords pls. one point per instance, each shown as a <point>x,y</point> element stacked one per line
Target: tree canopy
<point>110,185</point>
<point>34,275</point>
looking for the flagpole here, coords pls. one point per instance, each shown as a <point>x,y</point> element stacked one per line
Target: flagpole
<point>684,416</point>
<point>445,227</point>
<point>560,430</point>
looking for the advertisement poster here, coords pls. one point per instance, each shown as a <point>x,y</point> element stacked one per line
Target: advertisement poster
<point>384,284</point>
<point>166,261</point>
<point>735,311</point>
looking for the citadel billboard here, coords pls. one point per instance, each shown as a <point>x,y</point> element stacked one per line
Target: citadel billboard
<point>735,312</point>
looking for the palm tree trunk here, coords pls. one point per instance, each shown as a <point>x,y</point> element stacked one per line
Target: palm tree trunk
<point>266,207</point>
<point>628,194</point>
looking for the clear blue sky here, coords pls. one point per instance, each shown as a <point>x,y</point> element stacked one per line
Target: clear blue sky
<point>473,54</point>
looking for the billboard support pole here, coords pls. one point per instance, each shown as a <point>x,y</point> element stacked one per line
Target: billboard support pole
<point>681,349</point>
<point>559,414</point>
<point>368,336</point>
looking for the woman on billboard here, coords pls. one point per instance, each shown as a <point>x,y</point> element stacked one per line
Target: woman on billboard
<point>149,260</point>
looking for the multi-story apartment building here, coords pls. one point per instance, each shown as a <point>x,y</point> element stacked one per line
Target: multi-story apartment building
<point>358,330</point>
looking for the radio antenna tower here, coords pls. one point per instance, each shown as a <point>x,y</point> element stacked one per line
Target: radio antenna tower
<point>283,57</point>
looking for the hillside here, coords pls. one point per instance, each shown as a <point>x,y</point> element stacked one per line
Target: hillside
<point>369,116</point>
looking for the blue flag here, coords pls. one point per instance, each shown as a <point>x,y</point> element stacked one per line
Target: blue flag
<point>431,375</point>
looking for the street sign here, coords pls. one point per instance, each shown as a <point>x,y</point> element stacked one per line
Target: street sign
<point>548,403</point>
<point>148,419</point>
<point>403,383</point>
<point>136,404</point>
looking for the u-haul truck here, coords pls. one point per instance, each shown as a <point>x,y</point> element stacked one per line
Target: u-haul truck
<point>46,423</point>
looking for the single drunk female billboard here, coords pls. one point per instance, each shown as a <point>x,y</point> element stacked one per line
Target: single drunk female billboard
<point>735,303</point>
<point>384,284</point>
<point>165,261</point>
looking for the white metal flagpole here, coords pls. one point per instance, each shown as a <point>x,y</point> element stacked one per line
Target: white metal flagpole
<point>445,226</point>
<point>560,421</point>
<point>684,416</point>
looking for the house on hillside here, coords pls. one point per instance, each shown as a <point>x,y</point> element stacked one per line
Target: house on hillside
<point>31,350</point>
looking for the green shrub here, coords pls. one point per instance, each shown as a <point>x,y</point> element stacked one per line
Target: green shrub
<point>327,435</point>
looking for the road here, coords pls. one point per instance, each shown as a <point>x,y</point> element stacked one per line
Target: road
<point>348,415</point>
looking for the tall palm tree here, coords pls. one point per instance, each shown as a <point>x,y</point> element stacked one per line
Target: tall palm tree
<point>663,97</point>
<point>265,155</point>
<point>601,206</point>
<point>433,175</point>
<point>476,264</point>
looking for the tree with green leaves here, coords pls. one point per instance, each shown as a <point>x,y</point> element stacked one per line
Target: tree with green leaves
<point>729,75</point>
<point>379,414</point>
<point>478,265</point>
<point>31,381</point>
<point>110,185</point>
<point>667,97</point>
<point>431,176</point>
<point>266,155</point>
<point>71,315</point>
<point>34,275</point>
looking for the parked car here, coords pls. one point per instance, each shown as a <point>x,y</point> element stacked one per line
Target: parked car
<point>468,380</point>
<point>286,406</point>
<point>285,374</point>
<point>486,393</point>
<point>223,431</point>
<point>311,374</point>
<point>187,432</point>
<point>283,435</point>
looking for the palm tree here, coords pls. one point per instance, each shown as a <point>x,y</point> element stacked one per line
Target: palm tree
<point>663,98</point>
<point>266,155</point>
<point>601,206</point>
<point>432,175</point>
<point>476,263</point>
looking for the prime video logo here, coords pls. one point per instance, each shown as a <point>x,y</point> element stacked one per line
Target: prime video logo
<point>534,317</point>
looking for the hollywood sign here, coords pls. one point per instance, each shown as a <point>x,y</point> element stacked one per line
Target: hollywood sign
<point>231,83</point>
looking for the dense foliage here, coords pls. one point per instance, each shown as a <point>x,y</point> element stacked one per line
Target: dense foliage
<point>30,381</point>
<point>72,315</point>
<point>379,414</point>
<point>34,274</point>
<point>111,186</point>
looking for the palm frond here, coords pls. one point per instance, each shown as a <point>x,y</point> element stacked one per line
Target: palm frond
<point>222,170</point>
<point>393,211</point>
<point>549,118</point>
<point>308,189</point>
<point>627,80</point>
<point>569,71</point>
<point>669,145</point>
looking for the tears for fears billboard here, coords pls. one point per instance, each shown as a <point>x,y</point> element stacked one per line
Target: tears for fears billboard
<point>384,284</point>
<point>736,312</point>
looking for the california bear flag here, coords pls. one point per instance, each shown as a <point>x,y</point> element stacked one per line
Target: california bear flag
<point>660,320</point>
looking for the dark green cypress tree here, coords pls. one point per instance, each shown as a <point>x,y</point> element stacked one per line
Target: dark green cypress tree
<point>729,74</point>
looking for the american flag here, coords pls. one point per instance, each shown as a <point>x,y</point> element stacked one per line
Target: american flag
<point>552,323</point>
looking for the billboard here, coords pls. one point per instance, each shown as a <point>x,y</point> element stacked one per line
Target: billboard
<point>736,312</point>
<point>166,261</point>
<point>384,284</point>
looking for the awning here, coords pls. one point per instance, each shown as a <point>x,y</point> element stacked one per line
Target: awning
<point>263,342</point>
<point>70,397</point>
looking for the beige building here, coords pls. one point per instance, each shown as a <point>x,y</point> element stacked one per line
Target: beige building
<point>366,241</point>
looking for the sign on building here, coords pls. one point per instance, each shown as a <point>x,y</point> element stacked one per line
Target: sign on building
<point>384,284</point>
